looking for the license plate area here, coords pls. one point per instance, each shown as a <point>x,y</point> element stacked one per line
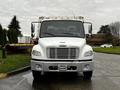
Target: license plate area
<point>62,68</point>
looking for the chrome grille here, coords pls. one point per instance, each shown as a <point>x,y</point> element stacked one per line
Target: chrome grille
<point>63,53</point>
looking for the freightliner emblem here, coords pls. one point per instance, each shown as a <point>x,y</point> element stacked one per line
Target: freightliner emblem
<point>62,46</point>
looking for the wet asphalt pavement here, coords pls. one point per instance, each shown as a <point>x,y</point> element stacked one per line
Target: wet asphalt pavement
<point>106,77</point>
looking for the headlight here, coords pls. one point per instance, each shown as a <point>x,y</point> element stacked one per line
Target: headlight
<point>36,53</point>
<point>88,53</point>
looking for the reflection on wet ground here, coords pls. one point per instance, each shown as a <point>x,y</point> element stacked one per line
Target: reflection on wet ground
<point>61,81</point>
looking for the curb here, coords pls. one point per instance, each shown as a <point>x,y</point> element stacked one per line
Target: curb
<point>4,75</point>
<point>107,53</point>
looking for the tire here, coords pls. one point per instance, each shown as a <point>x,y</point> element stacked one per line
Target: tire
<point>88,74</point>
<point>36,74</point>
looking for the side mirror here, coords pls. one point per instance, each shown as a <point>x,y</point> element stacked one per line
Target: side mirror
<point>35,29</point>
<point>90,29</point>
<point>88,26</point>
<point>35,26</point>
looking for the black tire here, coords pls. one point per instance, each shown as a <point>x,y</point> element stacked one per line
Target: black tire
<point>88,74</point>
<point>36,74</point>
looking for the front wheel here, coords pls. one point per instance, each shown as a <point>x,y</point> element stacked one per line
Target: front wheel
<point>36,74</point>
<point>87,74</point>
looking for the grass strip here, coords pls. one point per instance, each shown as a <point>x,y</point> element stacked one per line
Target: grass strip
<point>114,50</point>
<point>13,62</point>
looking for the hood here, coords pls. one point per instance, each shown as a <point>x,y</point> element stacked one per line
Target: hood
<point>62,41</point>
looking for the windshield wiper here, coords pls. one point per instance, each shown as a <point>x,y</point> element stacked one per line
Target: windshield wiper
<point>72,34</point>
<point>50,34</point>
<point>69,33</point>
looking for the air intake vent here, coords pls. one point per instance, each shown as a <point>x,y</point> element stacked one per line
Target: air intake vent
<point>63,53</point>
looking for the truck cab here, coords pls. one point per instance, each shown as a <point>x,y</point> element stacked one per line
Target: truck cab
<point>61,47</point>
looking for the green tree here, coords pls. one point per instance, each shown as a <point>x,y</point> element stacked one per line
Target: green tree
<point>109,38</point>
<point>1,36</point>
<point>13,31</point>
<point>104,29</point>
<point>12,36</point>
<point>4,36</point>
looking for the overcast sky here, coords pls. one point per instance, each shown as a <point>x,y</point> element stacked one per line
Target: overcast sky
<point>99,12</point>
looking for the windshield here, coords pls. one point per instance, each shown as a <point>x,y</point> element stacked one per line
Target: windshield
<point>62,28</point>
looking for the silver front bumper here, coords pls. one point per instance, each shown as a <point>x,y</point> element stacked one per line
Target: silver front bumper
<point>61,66</point>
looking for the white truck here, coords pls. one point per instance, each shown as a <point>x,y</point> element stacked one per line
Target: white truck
<point>61,47</point>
